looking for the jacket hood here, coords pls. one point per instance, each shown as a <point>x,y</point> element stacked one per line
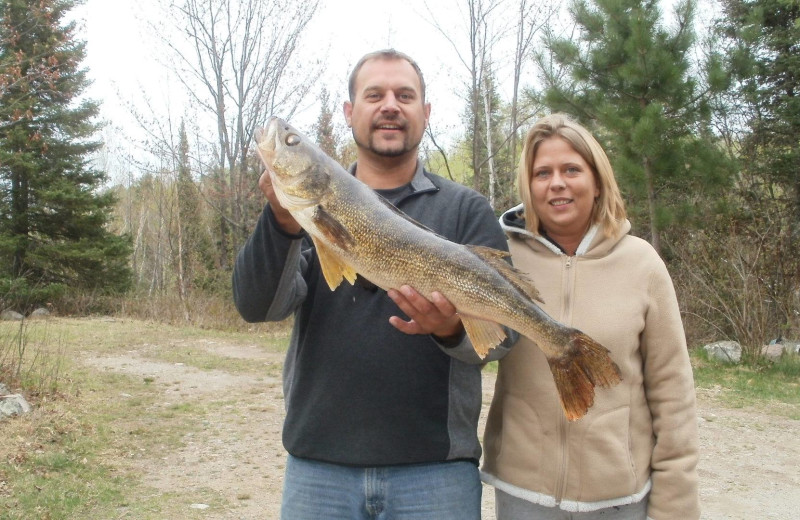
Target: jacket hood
<point>594,243</point>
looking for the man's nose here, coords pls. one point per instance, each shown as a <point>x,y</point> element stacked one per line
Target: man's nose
<point>390,103</point>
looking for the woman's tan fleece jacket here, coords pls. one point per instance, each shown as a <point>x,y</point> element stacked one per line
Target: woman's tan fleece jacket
<point>639,436</point>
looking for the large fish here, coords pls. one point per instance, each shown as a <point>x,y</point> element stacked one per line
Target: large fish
<point>355,231</point>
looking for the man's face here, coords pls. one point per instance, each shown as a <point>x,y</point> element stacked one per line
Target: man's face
<point>387,115</point>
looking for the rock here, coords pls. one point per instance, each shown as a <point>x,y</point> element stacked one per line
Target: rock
<point>791,347</point>
<point>40,313</point>
<point>13,404</point>
<point>773,351</point>
<point>9,315</point>
<point>727,351</point>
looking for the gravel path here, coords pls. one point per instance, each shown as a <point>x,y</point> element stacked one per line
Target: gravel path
<point>749,462</point>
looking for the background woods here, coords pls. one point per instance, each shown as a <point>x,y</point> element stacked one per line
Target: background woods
<point>695,101</point>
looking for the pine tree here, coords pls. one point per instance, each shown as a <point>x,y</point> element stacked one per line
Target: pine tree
<point>196,252</point>
<point>53,225</point>
<point>630,80</point>
<point>493,170</point>
<point>762,40</point>
<point>765,36</point>
<point>325,129</point>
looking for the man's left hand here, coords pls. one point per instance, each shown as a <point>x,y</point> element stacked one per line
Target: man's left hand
<point>436,316</point>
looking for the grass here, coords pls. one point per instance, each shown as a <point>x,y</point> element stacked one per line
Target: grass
<point>74,455</point>
<point>774,386</point>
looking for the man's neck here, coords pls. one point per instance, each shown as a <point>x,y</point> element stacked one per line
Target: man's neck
<point>383,173</point>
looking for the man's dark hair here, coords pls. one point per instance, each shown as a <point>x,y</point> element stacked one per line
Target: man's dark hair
<point>385,54</point>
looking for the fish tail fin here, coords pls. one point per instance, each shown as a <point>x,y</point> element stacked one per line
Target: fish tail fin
<point>584,365</point>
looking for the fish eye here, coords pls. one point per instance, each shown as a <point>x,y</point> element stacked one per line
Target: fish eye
<point>292,139</point>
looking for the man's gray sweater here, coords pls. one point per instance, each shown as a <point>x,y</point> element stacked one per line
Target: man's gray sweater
<point>358,391</point>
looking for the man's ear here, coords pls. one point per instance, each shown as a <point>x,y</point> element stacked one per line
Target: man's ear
<point>347,108</point>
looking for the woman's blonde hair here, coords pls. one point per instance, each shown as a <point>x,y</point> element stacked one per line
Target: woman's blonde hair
<point>609,209</point>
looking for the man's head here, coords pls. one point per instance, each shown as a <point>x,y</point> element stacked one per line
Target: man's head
<point>387,109</point>
<point>385,54</point>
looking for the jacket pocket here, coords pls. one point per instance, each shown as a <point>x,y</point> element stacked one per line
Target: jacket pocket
<point>606,465</point>
<point>525,449</point>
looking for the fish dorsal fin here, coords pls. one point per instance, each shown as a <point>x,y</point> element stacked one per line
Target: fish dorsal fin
<point>484,334</point>
<point>406,217</point>
<point>496,259</point>
<point>333,268</point>
<point>334,231</point>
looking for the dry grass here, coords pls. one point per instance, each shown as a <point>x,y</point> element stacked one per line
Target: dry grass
<point>76,454</point>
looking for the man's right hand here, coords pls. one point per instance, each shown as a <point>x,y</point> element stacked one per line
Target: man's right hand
<point>282,215</point>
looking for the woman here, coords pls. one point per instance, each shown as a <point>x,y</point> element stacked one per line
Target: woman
<point>634,454</point>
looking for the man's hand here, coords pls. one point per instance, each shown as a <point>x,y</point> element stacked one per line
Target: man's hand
<point>282,215</point>
<point>436,316</point>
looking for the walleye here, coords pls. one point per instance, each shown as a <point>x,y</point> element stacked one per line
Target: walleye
<point>355,231</point>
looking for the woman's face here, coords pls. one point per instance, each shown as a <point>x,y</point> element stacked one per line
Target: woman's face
<point>563,190</point>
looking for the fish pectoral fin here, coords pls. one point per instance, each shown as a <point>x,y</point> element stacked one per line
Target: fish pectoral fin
<point>484,334</point>
<point>583,365</point>
<point>333,230</point>
<point>333,268</point>
<point>496,259</point>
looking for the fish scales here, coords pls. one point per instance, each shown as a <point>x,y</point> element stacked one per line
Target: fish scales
<point>355,232</point>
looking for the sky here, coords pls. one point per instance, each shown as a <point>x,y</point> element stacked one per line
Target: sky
<point>124,58</point>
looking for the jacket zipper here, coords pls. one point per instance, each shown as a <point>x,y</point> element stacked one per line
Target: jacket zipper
<point>563,425</point>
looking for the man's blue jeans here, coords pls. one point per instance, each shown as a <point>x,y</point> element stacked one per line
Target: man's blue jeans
<point>443,491</point>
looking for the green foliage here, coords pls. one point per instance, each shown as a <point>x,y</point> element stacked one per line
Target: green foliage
<point>763,42</point>
<point>19,293</point>
<point>739,275</point>
<point>328,137</point>
<point>631,81</point>
<point>751,385</point>
<point>53,225</point>
<point>194,258</point>
<point>493,170</point>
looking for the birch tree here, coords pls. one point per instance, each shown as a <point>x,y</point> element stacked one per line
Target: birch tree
<point>238,68</point>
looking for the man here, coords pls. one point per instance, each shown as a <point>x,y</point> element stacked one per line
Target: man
<point>381,410</point>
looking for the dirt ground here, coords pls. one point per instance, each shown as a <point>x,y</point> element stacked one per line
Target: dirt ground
<point>749,465</point>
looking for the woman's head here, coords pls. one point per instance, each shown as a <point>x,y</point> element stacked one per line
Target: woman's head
<point>607,209</point>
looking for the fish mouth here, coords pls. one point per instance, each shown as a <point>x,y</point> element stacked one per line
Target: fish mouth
<point>267,138</point>
<point>277,130</point>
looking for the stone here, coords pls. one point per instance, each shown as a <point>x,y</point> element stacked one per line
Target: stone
<point>9,315</point>
<point>40,313</point>
<point>773,351</point>
<point>13,404</point>
<point>791,347</point>
<point>726,351</point>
